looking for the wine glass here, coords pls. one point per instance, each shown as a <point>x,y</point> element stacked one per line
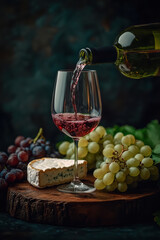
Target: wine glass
<point>76,111</point>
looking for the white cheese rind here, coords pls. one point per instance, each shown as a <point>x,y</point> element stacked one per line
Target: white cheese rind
<point>47,172</point>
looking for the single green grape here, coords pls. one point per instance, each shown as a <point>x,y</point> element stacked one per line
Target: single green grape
<point>147,162</point>
<point>101,130</point>
<point>139,156</point>
<point>146,150</point>
<point>144,173</point>
<point>108,152</point>
<point>99,184</point>
<point>122,186</point>
<point>108,178</point>
<point>114,167</point>
<point>93,147</point>
<point>108,160</point>
<point>63,147</point>
<point>98,173</point>
<point>133,162</point>
<point>134,149</point>
<point>126,155</point>
<point>134,171</point>
<point>120,176</point>
<point>105,167</point>
<point>118,136</point>
<point>126,140</point>
<point>82,142</point>
<point>139,143</point>
<point>132,138</point>
<point>94,136</point>
<point>111,187</point>
<point>118,148</point>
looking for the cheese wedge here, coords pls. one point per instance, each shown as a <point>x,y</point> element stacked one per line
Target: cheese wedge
<point>47,172</point>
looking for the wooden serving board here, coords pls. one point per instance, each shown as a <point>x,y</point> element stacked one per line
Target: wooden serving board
<point>99,208</point>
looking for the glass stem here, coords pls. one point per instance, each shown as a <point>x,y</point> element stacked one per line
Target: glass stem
<point>75,177</point>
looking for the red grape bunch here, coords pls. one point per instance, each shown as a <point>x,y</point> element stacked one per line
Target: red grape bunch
<point>13,162</point>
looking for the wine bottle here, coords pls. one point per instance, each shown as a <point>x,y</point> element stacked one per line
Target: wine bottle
<point>136,52</point>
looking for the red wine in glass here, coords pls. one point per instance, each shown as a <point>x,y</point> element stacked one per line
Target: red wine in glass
<point>76,111</point>
<point>75,126</point>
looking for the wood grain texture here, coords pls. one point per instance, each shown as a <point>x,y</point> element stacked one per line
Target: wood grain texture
<point>99,208</point>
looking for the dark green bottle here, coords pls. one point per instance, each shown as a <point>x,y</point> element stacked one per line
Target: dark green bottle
<point>136,52</point>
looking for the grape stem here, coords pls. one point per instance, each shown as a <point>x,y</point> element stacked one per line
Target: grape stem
<point>39,135</point>
<point>123,150</point>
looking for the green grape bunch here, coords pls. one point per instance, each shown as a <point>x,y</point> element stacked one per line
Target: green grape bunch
<point>127,161</point>
<point>118,162</point>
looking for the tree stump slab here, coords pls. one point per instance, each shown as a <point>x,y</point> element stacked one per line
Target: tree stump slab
<point>49,206</point>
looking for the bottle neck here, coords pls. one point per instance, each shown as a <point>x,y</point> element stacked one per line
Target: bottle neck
<point>98,55</point>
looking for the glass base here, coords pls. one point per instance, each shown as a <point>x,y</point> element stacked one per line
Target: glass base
<point>76,187</point>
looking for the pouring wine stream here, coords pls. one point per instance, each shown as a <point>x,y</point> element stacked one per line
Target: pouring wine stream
<point>75,78</point>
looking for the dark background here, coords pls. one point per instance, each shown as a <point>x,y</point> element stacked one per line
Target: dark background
<point>38,38</point>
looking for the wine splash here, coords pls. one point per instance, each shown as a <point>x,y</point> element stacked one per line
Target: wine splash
<point>75,78</point>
